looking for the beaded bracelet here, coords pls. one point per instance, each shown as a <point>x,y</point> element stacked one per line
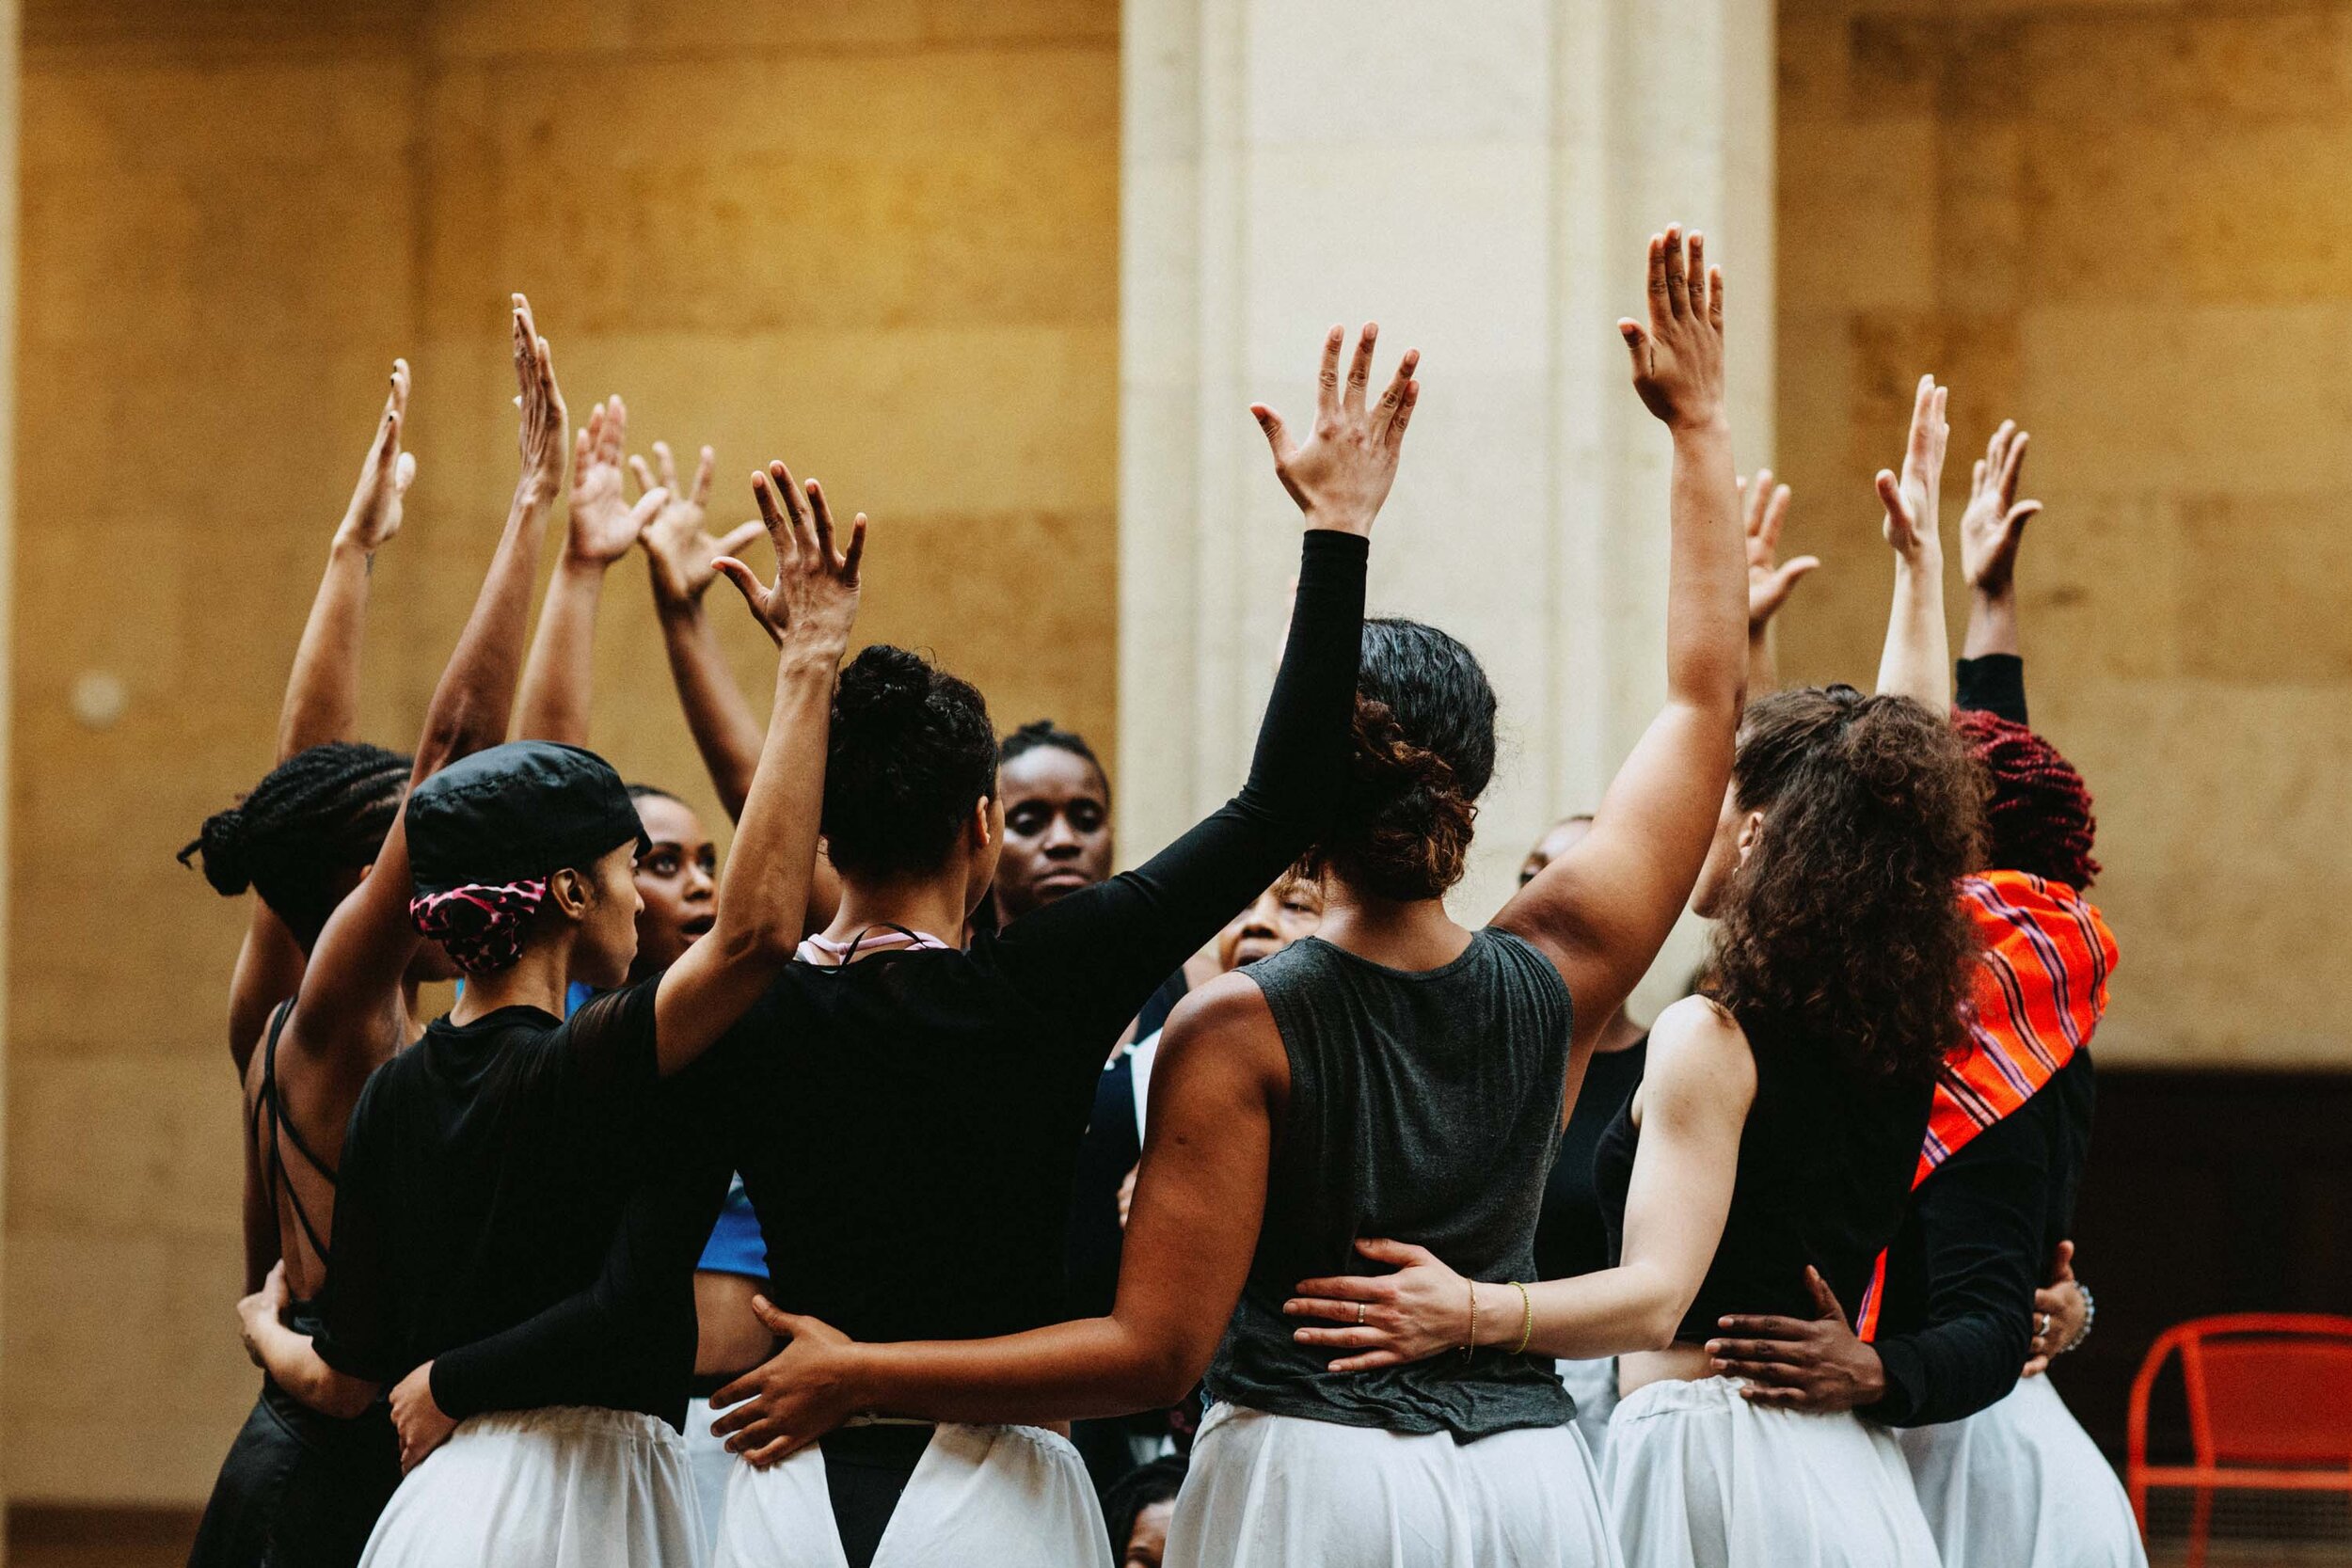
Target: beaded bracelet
<point>1527,1319</point>
<point>2090,1315</point>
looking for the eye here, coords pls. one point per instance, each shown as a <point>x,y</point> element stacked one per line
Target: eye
<point>661,863</point>
<point>1086,815</point>
<point>1027,819</point>
<point>707,859</point>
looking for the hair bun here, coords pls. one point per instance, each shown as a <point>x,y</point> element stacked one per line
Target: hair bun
<point>221,843</point>
<point>881,686</point>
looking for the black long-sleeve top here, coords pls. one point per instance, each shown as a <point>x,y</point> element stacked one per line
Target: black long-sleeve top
<point>907,1126</point>
<point>1957,1320</point>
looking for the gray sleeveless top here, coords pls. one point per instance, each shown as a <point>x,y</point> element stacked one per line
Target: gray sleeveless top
<point>1424,1107</point>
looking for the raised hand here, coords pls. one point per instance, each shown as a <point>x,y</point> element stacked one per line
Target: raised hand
<point>373,515</point>
<point>1771,581</point>
<point>1994,524</point>
<point>1342,472</point>
<point>603,526</point>
<point>677,550</point>
<point>1679,358</point>
<point>1912,528</point>
<point>544,420</point>
<point>813,600</point>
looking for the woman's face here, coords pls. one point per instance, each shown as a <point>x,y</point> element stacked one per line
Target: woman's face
<point>1735,832</point>
<point>1289,910</point>
<point>1057,829</point>
<point>1147,1541</point>
<point>678,879</point>
<point>607,927</point>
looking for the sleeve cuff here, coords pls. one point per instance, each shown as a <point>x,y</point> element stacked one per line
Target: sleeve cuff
<point>1906,1381</point>
<point>1994,683</point>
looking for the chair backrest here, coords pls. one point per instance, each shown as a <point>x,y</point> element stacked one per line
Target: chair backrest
<point>2263,1389</point>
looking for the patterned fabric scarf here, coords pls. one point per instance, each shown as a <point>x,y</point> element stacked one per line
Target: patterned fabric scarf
<point>2040,988</point>
<point>479,925</point>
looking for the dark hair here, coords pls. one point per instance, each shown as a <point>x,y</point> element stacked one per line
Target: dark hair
<point>2039,818</point>
<point>316,816</point>
<point>1127,1498</point>
<point>912,752</point>
<point>652,792</point>
<point>1423,749</point>
<point>1845,927</point>
<point>1044,732</point>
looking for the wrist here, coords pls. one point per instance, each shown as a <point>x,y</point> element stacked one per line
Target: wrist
<point>1712,422</point>
<point>1869,1377</point>
<point>582,568</point>
<point>346,546</point>
<point>809,657</point>
<point>1339,520</point>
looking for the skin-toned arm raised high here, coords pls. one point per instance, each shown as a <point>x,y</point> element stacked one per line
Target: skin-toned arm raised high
<point>763,892</point>
<point>1601,912</point>
<point>1695,1091</point>
<point>323,693</point>
<point>560,675</point>
<point>351,988</point>
<point>681,556</point>
<point>1990,531</point>
<point>1771,581</point>
<point>1918,662</point>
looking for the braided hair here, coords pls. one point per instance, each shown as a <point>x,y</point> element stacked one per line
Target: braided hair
<point>299,836</point>
<point>2039,817</point>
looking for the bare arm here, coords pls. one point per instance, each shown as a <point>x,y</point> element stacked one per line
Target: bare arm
<point>680,555</point>
<point>1770,580</point>
<point>559,673</point>
<point>763,892</point>
<point>1216,1091</point>
<point>1918,662</point>
<point>323,694</point>
<point>1990,531</point>
<point>1695,1097</point>
<point>1601,912</point>
<point>352,982</point>
<point>288,1358</point>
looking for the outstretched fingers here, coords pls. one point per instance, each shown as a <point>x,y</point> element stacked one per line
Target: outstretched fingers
<point>1677,279</point>
<point>1328,380</point>
<point>1360,371</point>
<point>1901,523</point>
<point>1276,436</point>
<point>1385,424</point>
<point>821,536</point>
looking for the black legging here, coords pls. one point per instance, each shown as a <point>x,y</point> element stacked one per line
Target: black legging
<point>866,1469</point>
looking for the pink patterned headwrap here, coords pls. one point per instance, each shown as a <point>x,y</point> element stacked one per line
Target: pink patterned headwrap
<point>479,925</point>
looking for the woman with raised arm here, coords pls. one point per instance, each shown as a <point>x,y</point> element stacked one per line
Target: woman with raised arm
<point>2005,1473</point>
<point>1394,1073</point>
<point>1774,1129</point>
<point>298,1484</point>
<point>512,1159</point>
<point>907,1113</point>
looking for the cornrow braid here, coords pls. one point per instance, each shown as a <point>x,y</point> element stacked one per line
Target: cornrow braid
<point>2039,819</point>
<point>313,820</point>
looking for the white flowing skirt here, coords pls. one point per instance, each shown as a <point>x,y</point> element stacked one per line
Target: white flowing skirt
<point>981,1496</point>
<point>568,1488</point>
<point>711,1466</point>
<point>1699,1478</point>
<point>1594,1387</point>
<point>2020,1484</point>
<point>1283,1492</point>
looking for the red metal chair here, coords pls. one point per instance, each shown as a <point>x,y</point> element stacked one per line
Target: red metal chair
<point>2269,1409</point>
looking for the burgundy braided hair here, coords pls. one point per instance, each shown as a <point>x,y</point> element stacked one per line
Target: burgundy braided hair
<point>2039,819</point>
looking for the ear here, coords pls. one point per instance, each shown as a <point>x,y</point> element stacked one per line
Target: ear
<point>983,822</point>
<point>1749,828</point>
<point>572,893</point>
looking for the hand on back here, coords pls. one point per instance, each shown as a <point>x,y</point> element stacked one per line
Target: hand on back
<point>1341,474</point>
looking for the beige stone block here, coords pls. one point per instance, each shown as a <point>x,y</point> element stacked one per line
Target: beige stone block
<point>2104,578</point>
<point>1812,64</point>
<point>1019,21</point>
<point>2264,211</point>
<point>1983,259</point>
<point>170,1158</point>
<point>2270,576</point>
<point>2188,66</point>
<point>2102,210</point>
<point>1857,217</point>
<point>100,120</point>
<point>716,28</point>
<point>538,29</point>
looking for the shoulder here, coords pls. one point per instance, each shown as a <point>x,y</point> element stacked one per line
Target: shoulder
<point>1224,1027</point>
<point>1698,1052</point>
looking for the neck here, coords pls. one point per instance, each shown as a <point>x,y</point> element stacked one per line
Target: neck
<point>934,905</point>
<point>538,979</point>
<point>1619,1034</point>
<point>1402,933</point>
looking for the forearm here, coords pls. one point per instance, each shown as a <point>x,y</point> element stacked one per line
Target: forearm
<point>1763,663</point>
<point>559,673</point>
<point>1706,598</point>
<point>763,892</point>
<point>293,1364</point>
<point>322,701</point>
<point>1607,1312</point>
<point>476,693</point>
<point>727,732</point>
<point>1071,1370</point>
<point>1916,662</point>
<point>1951,1372</point>
<point>1991,623</point>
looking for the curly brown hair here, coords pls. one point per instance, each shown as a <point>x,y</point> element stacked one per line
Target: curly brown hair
<point>1845,927</point>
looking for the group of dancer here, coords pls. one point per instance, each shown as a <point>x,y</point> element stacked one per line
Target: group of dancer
<point>786,1212</point>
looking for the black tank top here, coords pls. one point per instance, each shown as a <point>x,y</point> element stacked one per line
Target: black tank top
<point>1826,1165</point>
<point>1424,1107</point>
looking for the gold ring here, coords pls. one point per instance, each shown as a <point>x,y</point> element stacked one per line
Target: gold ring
<point>1359,1314</point>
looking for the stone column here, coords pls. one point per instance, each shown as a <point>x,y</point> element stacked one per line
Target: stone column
<point>1480,178</point>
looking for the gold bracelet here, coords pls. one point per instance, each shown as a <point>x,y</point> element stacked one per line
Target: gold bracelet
<point>1527,1319</point>
<point>1472,1344</point>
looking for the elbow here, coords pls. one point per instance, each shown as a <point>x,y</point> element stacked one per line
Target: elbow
<point>1162,1374</point>
<point>1657,1325</point>
<point>331,1393</point>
